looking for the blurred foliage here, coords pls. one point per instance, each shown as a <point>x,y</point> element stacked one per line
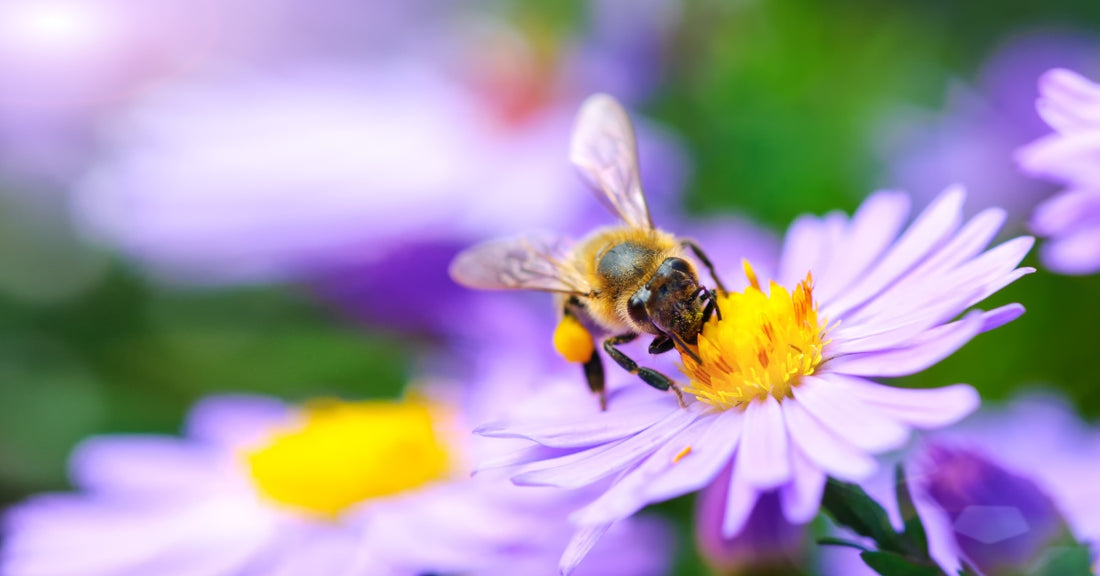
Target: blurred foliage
<point>775,101</point>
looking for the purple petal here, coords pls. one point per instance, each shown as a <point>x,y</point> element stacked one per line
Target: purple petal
<point>998,317</point>
<point>873,227</point>
<point>615,424</point>
<point>1069,102</point>
<point>236,421</point>
<point>802,249</point>
<point>855,422</point>
<point>130,465</point>
<point>1076,254</point>
<point>740,500</point>
<point>583,468</point>
<point>579,546</point>
<point>763,460</point>
<point>1066,211</point>
<point>933,225</point>
<point>823,448</point>
<point>968,243</point>
<point>801,497</point>
<point>686,463</point>
<point>939,529</point>
<point>933,346</point>
<point>1069,158</point>
<point>921,408</point>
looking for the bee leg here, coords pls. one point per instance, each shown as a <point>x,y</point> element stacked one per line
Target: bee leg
<point>648,375</point>
<point>593,373</point>
<point>711,307</point>
<point>662,344</point>
<point>698,252</point>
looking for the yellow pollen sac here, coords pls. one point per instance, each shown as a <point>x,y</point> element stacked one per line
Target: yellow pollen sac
<point>762,345</point>
<point>572,340</point>
<point>344,453</point>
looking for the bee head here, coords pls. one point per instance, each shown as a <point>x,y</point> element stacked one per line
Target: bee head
<point>670,301</point>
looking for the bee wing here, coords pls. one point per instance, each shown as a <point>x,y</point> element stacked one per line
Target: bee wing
<point>532,262</point>
<point>605,151</point>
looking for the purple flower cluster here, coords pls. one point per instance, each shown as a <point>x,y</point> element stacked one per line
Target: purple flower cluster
<point>1070,104</point>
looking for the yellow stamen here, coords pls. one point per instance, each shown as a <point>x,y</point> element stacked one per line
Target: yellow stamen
<point>343,453</point>
<point>680,456</point>
<point>762,345</point>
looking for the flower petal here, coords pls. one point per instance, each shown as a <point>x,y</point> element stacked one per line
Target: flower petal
<point>1069,210</point>
<point>800,498</point>
<point>583,468</point>
<point>579,545</point>
<point>802,248</point>
<point>236,421</point>
<point>823,448</point>
<point>857,423</point>
<point>132,465</point>
<point>1076,254</point>
<point>933,346</point>
<point>920,408</point>
<point>763,459</point>
<point>609,426</point>
<point>686,463</point>
<point>873,227</point>
<point>933,225</point>
<point>740,500</point>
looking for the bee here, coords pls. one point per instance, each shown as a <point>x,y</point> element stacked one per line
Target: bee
<point>618,282</point>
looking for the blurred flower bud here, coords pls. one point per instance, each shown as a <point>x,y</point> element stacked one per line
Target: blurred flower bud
<point>1002,521</point>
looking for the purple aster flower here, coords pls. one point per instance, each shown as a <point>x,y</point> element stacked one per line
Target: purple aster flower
<point>973,137</point>
<point>393,165</point>
<point>260,487</point>
<point>768,542</point>
<point>1070,104</point>
<point>781,392</point>
<point>999,489</point>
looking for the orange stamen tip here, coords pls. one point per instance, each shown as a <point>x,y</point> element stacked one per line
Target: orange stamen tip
<point>750,274</point>
<point>681,454</point>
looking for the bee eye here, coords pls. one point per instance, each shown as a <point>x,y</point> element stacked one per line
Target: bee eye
<point>636,306</point>
<point>677,265</point>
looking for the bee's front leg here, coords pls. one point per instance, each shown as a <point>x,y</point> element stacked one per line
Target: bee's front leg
<point>648,375</point>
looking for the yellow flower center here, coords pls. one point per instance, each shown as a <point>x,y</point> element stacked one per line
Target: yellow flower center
<point>761,346</point>
<point>343,453</point>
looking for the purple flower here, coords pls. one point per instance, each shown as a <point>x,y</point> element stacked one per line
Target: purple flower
<point>768,540</point>
<point>333,487</point>
<point>997,490</point>
<point>1070,104</point>
<point>781,393</point>
<point>971,140</point>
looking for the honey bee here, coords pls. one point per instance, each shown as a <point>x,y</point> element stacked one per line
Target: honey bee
<point>616,283</point>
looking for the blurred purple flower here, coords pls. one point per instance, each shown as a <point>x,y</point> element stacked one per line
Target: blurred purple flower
<point>972,139</point>
<point>783,420</point>
<point>257,486</point>
<point>358,180</point>
<point>767,542</point>
<point>1070,104</point>
<point>998,489</point>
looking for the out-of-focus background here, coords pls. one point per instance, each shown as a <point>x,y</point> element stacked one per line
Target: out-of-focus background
<point>262,195</point>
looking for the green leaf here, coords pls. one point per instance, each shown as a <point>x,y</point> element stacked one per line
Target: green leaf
<point>889,564</point>
<point>830,541</point>
<point>1071,560</point>
<point>850,506</point>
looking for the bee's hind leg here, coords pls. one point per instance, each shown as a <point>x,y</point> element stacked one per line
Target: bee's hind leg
<point>702,256</point>
<point>648,375</point>
<point>593,373</point>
